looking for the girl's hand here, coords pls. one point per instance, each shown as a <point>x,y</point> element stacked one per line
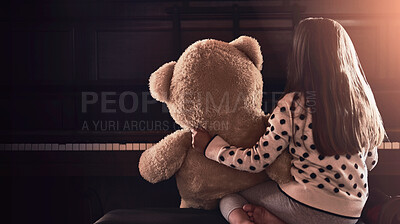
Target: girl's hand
<point>200,139</point>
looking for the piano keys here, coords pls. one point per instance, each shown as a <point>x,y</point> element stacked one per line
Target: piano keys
<point>76,146</point>
<point>130,146</point>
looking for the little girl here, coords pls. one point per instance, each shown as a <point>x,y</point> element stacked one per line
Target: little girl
<point>328,120</point>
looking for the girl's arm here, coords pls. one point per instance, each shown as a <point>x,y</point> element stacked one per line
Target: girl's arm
<point>372,158</point>
<point>263,153</point>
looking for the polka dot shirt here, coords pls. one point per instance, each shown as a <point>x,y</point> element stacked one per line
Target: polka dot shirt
<point>335,184</point>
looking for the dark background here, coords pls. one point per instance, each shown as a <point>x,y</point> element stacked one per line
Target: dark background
<point>55,51</point>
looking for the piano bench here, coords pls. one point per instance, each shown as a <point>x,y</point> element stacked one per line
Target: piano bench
<point>162,215</point>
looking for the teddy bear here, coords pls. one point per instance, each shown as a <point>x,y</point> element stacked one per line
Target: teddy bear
<point>218,86</point>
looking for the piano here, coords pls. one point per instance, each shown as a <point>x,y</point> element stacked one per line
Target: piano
<point>115,158</point>
<point>99,147</point>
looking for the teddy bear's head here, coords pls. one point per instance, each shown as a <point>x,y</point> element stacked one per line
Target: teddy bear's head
<point>214,84</point>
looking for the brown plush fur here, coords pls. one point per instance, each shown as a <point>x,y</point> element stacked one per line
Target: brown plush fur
<point>218,86</point>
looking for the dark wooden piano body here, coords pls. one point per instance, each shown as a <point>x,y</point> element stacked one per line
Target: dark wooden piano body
<point>56,53</point>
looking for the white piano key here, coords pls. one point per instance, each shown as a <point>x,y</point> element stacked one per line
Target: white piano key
<point>8,147</point>
<point>115,146</point>
<point>35,147</point>
<point>28,147</point>
<point>149,145</point>
<point>96,147</point>
<point>381,146</point>
<point>62,147</point>
<point>122,147</point>
<point>54,147</point>
<point>89,147</point>
<point>396,145</point>
<point>42,147</point>
<point>82,147</point>
<point>129,146</point>
<point>102,147</point>
<point>109,147</point>
<point>388,145</point>
<point>136,146</point>
<point>48,147</point>
<point>68,147</point>
<point>75,147</point>
<point>14,147</point>
<point>21,147</point>
<point>2,147</point>
<point>142,146</point>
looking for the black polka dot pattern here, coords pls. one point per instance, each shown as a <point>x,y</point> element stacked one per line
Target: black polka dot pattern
<point>343,175</point>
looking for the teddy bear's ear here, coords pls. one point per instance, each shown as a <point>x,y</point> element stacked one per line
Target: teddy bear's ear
<point>160,81</point>
<point>251,48</point>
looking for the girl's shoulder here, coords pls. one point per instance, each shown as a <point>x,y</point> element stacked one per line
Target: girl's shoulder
<point>292,97</point>
<point>294,101</point>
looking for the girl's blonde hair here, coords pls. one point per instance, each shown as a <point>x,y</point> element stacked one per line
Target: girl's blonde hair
<point>324,63</point>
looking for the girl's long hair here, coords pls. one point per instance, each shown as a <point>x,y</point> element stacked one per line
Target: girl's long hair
<point>324,64</point>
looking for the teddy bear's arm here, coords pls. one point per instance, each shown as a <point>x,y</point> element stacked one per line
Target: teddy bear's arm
<point>165,158</point>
